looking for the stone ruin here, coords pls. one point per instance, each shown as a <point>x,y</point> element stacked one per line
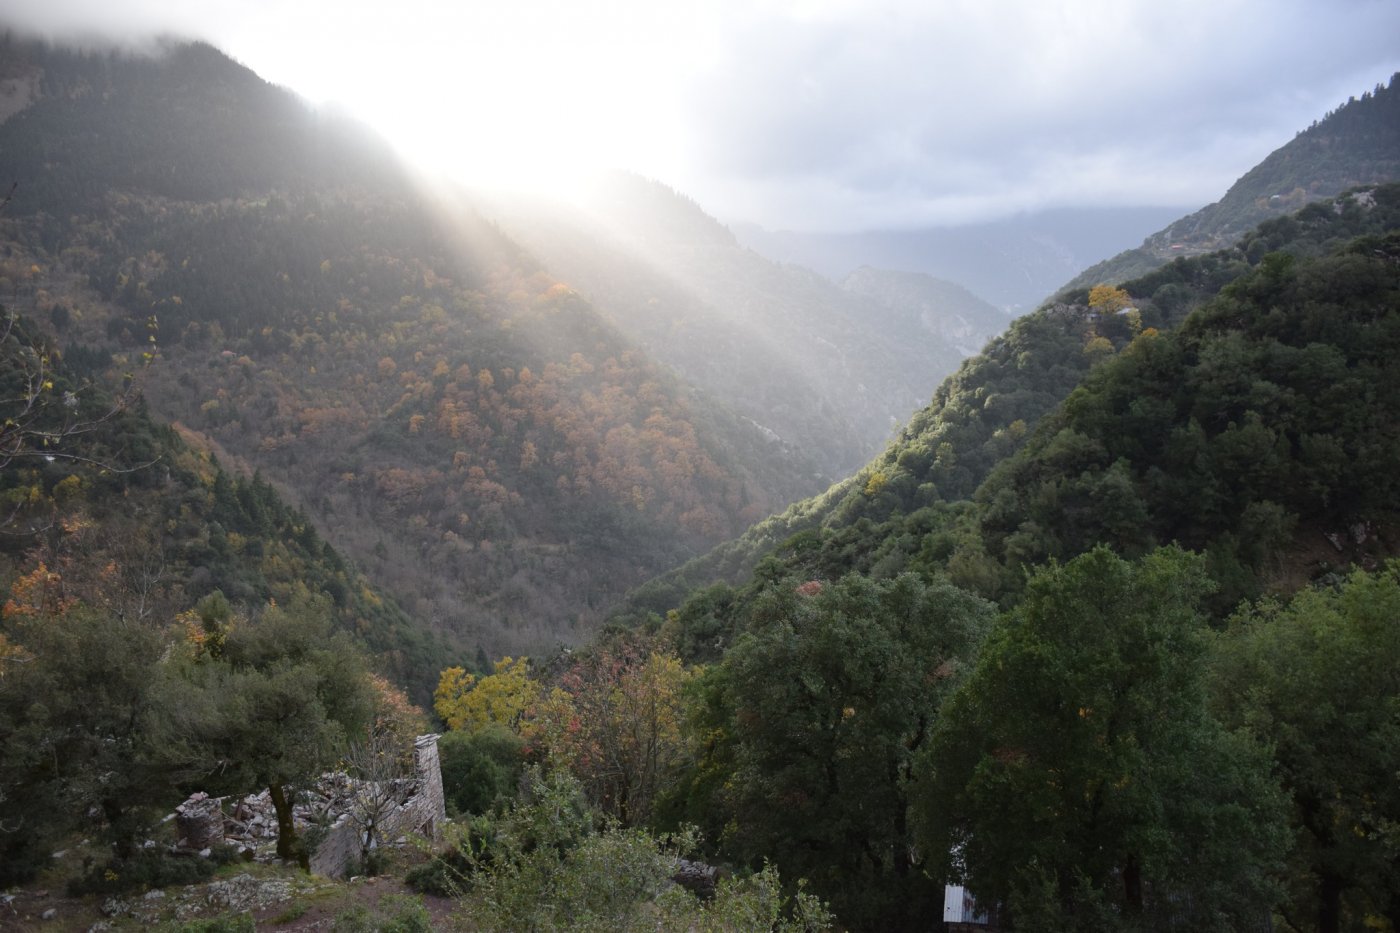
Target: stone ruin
<point>249,823</point>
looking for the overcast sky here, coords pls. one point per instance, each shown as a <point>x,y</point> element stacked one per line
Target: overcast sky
<point>826,115</point>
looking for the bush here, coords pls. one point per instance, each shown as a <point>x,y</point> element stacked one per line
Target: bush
<point>480,768</point>
<point>149,868</point>
<point>470,849</point>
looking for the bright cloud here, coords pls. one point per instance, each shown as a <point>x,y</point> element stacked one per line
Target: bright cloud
<point>832,114</point>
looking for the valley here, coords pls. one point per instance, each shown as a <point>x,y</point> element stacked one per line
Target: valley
<point>839,577</point>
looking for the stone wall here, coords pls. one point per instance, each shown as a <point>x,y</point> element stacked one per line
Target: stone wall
<point>422,812</point>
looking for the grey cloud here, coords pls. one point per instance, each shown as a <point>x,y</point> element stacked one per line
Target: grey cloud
<point>916,120</point>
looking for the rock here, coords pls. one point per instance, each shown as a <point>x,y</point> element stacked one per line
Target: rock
<point>113,906</point>
<point>155,895</point>
<point>205,853</point>
<point>49,914</point>
<point>696,876</point>
<point>60,853</point>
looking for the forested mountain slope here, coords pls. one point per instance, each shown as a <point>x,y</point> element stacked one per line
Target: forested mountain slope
<point>101,504</point>
<point>1356,144</point>
<point>468,429</point>
<point>917,306</point>
<point>829,371</point>
<point>989,477</point>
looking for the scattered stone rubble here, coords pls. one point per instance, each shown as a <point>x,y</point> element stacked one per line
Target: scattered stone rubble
<point>249,823</point>
<point>239,894</point>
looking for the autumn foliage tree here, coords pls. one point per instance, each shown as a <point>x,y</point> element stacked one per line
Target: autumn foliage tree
<point>615,721</point>
<point>467,703</point>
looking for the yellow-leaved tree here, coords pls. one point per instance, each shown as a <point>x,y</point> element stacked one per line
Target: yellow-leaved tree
<point>469,704</point>
<point>1109,299</point>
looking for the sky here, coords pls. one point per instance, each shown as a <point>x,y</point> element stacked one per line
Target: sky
<point>829,115</point>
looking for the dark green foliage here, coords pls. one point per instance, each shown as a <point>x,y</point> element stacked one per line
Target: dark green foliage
<point>72,705</point>
<point>143,870</point>
<point>1076,777</point>
<point>1318,678</point>
<point>876,520</point>
<point>1126,460</point>
<point>1266,416</point>
<point>448,873</point>
<point>481,768</point>
<point>271,707</point>
<point>822,704</point>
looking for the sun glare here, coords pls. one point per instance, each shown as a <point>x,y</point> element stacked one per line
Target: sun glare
<point>494,98</point>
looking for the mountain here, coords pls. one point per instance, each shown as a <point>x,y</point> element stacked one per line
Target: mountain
<point>1012,263</point>
<point>467,429</point>
<point>1227,432</point>
<point>919,306</point>
<point>828,371</point>
<point>1356,144</point>
<point>104,505</point>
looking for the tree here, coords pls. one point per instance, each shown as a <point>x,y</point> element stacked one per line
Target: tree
<point>265,702</point>
<point>1109,299</point>
<point>1318,678</point>
<point>377,762</point>
<point>546,866</point>
<point>480,768</point>
<point>615,722</point>
<point>464,702</point>
<point>830,695</point>
<point>1076,777</point>
<point>73,702</point>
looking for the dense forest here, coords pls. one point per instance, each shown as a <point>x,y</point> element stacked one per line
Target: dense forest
<point>294,469</point>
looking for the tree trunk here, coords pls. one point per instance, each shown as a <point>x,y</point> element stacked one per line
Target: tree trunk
<point>289,847</point>
<point>1132,885</point>
<point>1329,903</point>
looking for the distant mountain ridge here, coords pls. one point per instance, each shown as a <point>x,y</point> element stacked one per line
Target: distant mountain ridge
<point>1012,263</point>
<point>1356,144</point>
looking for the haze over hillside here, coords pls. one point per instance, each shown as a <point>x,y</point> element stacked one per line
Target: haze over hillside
<point>1013,263</point>
<point>504,426</point>
<point>827,371</point>
<point>457,419</point>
